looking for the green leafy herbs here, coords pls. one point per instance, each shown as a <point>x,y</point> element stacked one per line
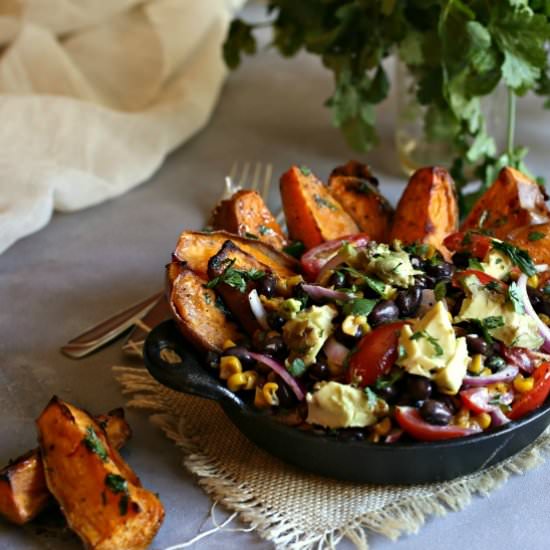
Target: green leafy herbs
<point>251,236</point>
<point>474,263</point>
<point>305,170</point>
<point>417,249</point>
<point>372,282</point>
<point>321,201</point>
<point>297,367</point>
<point>361,306</point>
<point>235,278</point>
<point>440,290</point>
<point>94,443</point>
<point>495,321</point>
<point>438,350</point>
<point>264,230</point>
<point>295,249</point>
<point>372,398</point>
<point>514,297</point>
<point>456,53</point>
<point>535,236</point>
<point>116,483</point>
<point>207,298</point>
<point>517,256</point>
<point>383,382</point>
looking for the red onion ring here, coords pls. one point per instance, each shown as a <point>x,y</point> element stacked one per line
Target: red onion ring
<point>319,292</point>
<point>543,329</point>
<point>498,418</point>
<point>505,375</point>
<point>336,353</point>
<point>258,309</point>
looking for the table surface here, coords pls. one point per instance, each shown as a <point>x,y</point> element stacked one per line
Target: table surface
<point>84,266</point>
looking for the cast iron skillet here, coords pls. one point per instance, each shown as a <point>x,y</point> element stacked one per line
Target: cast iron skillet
<point>346,460</point>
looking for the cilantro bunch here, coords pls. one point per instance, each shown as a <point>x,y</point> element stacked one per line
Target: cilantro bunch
<point>457,51</point>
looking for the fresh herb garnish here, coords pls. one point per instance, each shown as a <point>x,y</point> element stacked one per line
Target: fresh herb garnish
<point>116,483</point>
<point>474,263</point>
<point>494,321</point>
<point>364,187</point>
<point>295,249</point>
<point>372,282</point>
<point>515,298</point>
<point>517,256</point>
<point>440,290</point>
<point>264,230</point>
<point>535,236</point>
<point>361,306</point>
<point>494,286</point>
<point>297,367</point>
<point>236,278</point>
<point>324,202</point>
<point>94,444</point>
<point>401,352</point>
<point>207,298</point>
<point>305,170</point>
<point>372,398</point>
<point>417,249</point>
<point>433,341</point>
<point>251,235</point>
<point>383,382</point>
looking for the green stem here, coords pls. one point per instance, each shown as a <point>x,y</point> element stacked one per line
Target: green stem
<point>511,122</point>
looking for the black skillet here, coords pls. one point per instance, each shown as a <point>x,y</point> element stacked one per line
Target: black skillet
<point>346,460</point>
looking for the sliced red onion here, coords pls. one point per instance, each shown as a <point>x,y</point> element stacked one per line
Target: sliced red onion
<point>336,353</point>
<point>318,292</point>
<point>394,436</point>
<point>498,418</point>
<point>543,329</point>
<point>520,357</point>
<point>258,309</point>
<point>281,371</point>
<point>505,375</point>
<point>332,264</point>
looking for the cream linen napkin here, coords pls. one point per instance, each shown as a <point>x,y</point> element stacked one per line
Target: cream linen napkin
<point>95,93</point>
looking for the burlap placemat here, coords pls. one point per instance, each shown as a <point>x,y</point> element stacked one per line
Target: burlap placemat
<point>286,506</point>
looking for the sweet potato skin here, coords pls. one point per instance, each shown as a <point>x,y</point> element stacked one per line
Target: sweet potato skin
<point>535,239</point>
<point>78,467</point>
<point>194,308</point>
<point>245,214</point>
<point>361,200</point>
<point>196,248</point>
<point>512,201</point>
<point>312,214</point>
<point>427,211</point>
<point>23,490</point>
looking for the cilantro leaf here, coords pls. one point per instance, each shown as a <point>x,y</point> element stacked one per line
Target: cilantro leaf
<point>297,367</point>
<point>518,257</point>
<point>431,339</point>
<point>515,298</point>
<point>535,236</point>
<point>361,306</point>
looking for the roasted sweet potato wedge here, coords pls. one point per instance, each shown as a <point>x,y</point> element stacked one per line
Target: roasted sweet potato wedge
<point>247,215</point>
<point>355,169</point>
<point>199,317</point>
<point>237,274</point>
<point>105,505</point>
<point>23,490</point>
<point>427,211</point>
<point>533,238</point>
<point>196,248</point>
<point>312,214</point>
<point>512,201</point>
<point>362,201</point>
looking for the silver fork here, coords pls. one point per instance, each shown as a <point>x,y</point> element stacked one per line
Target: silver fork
<point>151,311</point>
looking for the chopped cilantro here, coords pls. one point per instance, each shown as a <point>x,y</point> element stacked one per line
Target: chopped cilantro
<point>207,298</point>
<point>518,257</point>
<point>383,382</point>
<point>474,263</point>
<point>372,398</point>
<point>515,298</point>
<point>361,306</point>
<point>440,290</point>
<point>494,321</point>
<point>305,170</point>
<point>433,341</point>
<point>494,286</point>
<point>236,278</point>
<point>364,187</point>
<point>251,235</point>
<point>297,367</point>
<point>320,201</point>
<point>94,444</point>
<point>295,249</point>
<point>417,249</point>
<point>535,236</point>
<point>116,483</point>
<point>401,352</point>
<point>264,230</point>
<point>372,282</point>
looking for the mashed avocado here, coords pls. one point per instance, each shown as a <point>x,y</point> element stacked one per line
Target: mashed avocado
<point>431,349</point>
<point>392,267</point>
<point>307,331</point>
<point>496,264</point>
<point>335,405</point>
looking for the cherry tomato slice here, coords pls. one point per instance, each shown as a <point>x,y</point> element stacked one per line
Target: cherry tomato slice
<point>482,277</point>
<point>476,245</point>
<point>315,258</point>
<point>412,423</point>
<point>476,400</point>
<point>533,399</point>
<point>375,355</point>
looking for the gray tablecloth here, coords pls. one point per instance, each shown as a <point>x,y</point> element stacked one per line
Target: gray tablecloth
<point>85,266</point>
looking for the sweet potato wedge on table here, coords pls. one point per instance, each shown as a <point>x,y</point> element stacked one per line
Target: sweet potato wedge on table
<point>512,201</point>
<point>236,273</point>
<point>363,202</point>
<point>99,494</point>
<point>312,214</point>
<point>246,214</point>
<point>194,307</point>
<point>427,211</point>
<point>23,490</point>
<point>196,248</point>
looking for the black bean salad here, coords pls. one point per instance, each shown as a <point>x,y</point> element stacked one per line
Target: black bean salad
<point>389,342</point>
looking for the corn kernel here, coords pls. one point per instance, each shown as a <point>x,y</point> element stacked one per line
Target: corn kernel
<point>545,319</point>
<point>270,393</point>
<point>486,372</point>
<point>383,427</point>
<point>483,420</point>
<point>291,282</point>
<point>523,385</point>
<point>228,344</point>
<point>533,281</point>
<point>229,365</point>
<point>260,400</point>
<point>476,365</point>
<point>236,381</point>
<point>251,379</point>
<point>499,387</point>
<point>462,418</point>
<point>352,323</point>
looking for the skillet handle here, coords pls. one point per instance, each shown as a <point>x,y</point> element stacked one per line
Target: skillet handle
<point>174,365</point>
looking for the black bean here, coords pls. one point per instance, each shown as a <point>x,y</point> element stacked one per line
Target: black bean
<point>452,403</point>
<point>424,281</point>
<point>338,280</point>
<point>435,412</point>
<point>346,339</point>
<point>286,396</point>
<point>538,300</point>
<point>319,371</point>
<point>351,434</point>
<point>418,388</point>
<point>440,270</point>
<point>408,301</point>
<point>461,259</point>
<point>241,353</point>
<point>212,359</point>
<point>478,345</point>
<point>388,393</point>
<point>495,363</point>
<point>416,261</point>
<point>274,346</point>
<point>267,285</point>
<point>275,320</point>
<point>383,312</point>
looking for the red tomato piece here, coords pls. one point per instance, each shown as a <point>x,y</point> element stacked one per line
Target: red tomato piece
<point>476,400</point>
<point>375,355</point>
<point>413,424</point>
<point>477,245</point>
<point>533,399</point>
<point>315,258</point>
<point>482,277</point>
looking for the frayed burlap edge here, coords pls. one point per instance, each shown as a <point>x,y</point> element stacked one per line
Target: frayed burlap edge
<point>392,521</point>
